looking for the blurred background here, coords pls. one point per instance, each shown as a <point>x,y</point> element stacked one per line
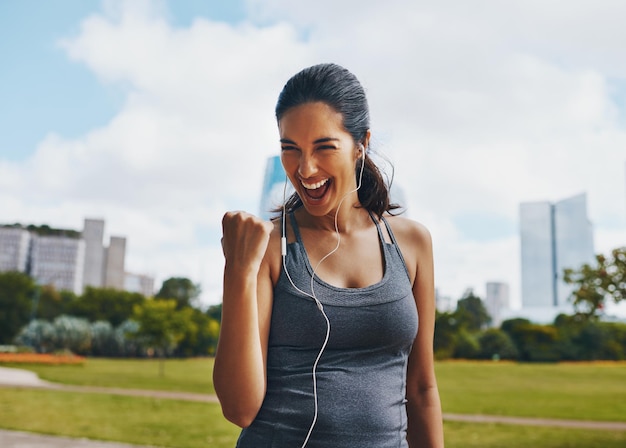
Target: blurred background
<point>152,118</point>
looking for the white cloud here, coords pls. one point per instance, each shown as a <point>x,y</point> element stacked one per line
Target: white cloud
<point>480,106</point>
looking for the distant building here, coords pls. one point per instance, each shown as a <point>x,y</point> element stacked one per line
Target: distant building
<point>443,303</point>
<point>114,274</point>
<point>68,259</point>
<point>143,284</point>
<point>58,261</point>
<point>496,301</point>
<point>14,248</point>
<point>554,236</point>
<point>274,184</point>
<point>93,234</point>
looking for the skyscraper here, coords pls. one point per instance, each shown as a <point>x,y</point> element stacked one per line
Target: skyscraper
<point>496,300</point>
<point>93,234</point>
<point>554,236</point>
<point>114,274</point>
<point>273,187</point>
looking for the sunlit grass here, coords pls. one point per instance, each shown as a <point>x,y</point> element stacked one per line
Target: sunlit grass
<point>142,421</point>
<point>585,391</point>
<point>186,375</point>
<point>592,391</point>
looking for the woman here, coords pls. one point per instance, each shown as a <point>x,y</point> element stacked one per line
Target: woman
<point>320,344</point>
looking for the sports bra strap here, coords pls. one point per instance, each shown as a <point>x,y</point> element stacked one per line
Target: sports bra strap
<point>294,226</point>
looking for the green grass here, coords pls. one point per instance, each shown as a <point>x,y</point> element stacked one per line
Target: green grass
<point>486,435</point>
<point>143,421</point>
<point>179,424</point>
<point>577,391</point>
<point>571,391</point>
<point>186,375</point>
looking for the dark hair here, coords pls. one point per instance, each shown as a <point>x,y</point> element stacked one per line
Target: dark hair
<point>340,89</point>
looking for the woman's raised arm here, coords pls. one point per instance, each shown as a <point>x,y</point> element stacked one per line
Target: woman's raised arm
<point>239,373</point>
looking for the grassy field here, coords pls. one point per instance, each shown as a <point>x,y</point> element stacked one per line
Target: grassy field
<point>578,391</point>
<point>186,375</point>
<point>584,391</point>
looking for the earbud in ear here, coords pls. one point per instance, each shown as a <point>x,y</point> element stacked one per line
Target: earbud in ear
<point>362,150</point>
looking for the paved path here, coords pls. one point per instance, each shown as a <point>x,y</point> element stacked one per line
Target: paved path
<point>18,439</point>
<point>10,377</point>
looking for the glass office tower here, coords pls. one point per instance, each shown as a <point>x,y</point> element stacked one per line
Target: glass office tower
<point>273,187</point>
<point>554,236</point>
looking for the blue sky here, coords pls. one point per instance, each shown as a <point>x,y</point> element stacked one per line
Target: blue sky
<point>42,90</point>
<point>158,117</point>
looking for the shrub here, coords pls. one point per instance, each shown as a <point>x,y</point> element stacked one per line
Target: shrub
<point>496,344</point>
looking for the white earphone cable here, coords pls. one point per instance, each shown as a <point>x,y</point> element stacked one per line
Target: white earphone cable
<point>312,294</point>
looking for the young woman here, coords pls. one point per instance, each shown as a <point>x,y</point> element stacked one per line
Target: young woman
<point>320,344</point>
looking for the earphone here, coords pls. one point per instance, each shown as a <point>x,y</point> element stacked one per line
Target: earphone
<point>283,247</point>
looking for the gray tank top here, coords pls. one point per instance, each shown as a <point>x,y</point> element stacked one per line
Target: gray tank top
<point>361,376</point>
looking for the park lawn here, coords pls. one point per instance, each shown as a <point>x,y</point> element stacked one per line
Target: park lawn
<point>184,375</point>
<point>580,391</point>
<point>135,420</point>
<point>179,424</point>
<point>588,391</point>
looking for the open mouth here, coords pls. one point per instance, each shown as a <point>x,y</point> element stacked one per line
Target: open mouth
<point>317,190</point>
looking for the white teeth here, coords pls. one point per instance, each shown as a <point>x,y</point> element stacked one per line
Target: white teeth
<point>314,186</point>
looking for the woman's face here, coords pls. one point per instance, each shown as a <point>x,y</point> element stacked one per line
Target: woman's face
<point>319,156</point>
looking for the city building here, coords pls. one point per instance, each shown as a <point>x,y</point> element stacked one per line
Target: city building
<point>496,301</point>
<point>115,254</point>
<point>143,284</point>
<point>14,245</point>
<point>93,234</point>
<point>58,261</point>
<point>274,184</point>
<point>554,236</point>
<point>443,303</point>
<point>69,259</point>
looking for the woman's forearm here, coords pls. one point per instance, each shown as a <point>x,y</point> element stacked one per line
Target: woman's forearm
<point>239,371</point>
<point>425,426</point>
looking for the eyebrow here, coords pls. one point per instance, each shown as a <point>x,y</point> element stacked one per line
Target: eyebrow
<point>319,140</point>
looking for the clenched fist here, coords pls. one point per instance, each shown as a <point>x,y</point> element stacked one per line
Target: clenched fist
<point>245,239</point>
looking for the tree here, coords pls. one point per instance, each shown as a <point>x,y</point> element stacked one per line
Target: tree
<point>108,304</point>
<point>539,343</point>
<point>52,303</point>
<point>38,334</point>
<point>181,289</point>
<point>201,339</point>
<point>162,327</point>
<point>471,312</point>
<point>103,339</point>
<point>73,334</point>
<point>496,344</point>
<point>215,312</point>
<point>466,345</point>
<point>17,291</point>
<point>445,335</point>
<point>595,284</point>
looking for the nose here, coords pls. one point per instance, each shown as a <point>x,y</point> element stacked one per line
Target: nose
<point>307,166</point>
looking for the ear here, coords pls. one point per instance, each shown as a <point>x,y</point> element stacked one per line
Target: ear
<point>363,145</point>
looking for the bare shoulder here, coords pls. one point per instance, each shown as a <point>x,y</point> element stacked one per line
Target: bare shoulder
<point>414,241</point>
<point>410,232</point>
